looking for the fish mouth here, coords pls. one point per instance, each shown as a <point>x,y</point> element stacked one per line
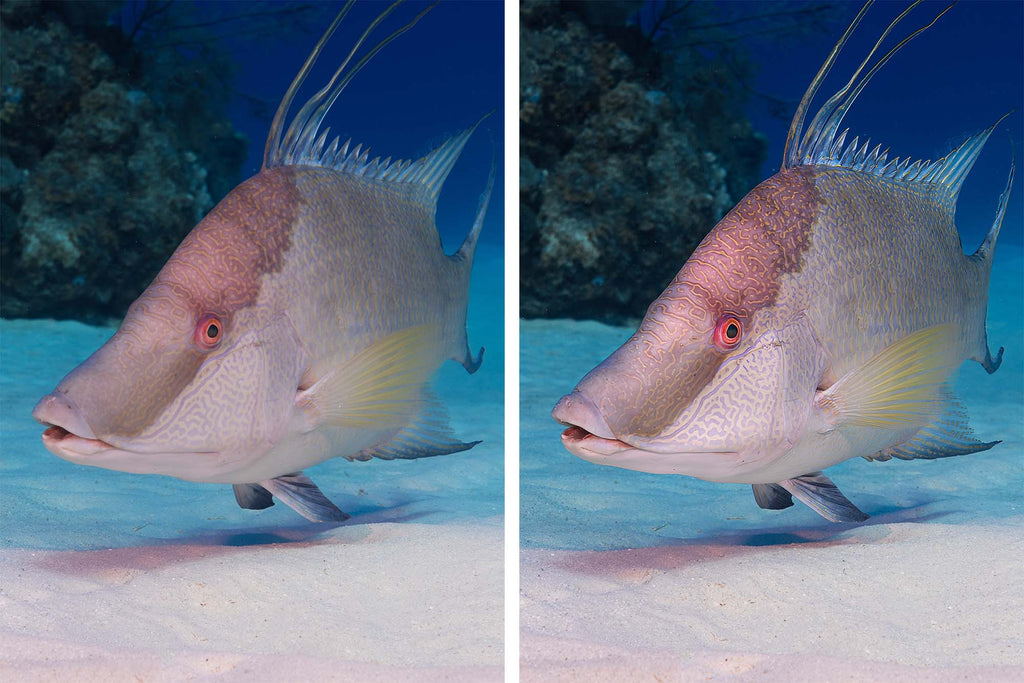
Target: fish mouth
<point>709,465</point>
<point>588,433</point>
<point>577,438</point>
<point>65,444</point>
<point>187,465</point>
<point>67,433</point>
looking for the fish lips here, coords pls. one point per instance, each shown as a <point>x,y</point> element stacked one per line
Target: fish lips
<point>64,444</point>
<point>98,453</point>
<point>596,439</point>
<point>582,443</point>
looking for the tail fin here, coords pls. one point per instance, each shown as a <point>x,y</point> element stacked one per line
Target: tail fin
<point>464,258</point>
<point>984,254</point>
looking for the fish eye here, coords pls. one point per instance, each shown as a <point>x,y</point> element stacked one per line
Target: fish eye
<point>728,331</point>
<point>209,331</point>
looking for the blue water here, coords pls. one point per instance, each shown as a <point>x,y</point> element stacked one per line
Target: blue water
<point>950,82</point>
<point>437,79</point>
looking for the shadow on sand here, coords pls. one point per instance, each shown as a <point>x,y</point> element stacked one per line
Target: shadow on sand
<point>676,553</point>
<point>161,553</point>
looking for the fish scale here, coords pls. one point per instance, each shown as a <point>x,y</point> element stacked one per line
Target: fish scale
<point>877,296</point>
<point>400,248</point>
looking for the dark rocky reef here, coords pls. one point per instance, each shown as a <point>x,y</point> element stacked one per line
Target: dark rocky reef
<point>623,169</point>
<point>102,172</point>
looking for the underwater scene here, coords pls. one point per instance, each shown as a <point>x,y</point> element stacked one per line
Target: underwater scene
<point>642,125</point>
<point>124,124</point>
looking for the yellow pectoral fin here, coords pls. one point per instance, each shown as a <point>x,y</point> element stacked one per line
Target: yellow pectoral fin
<point>379,386</point>
<point>898,387</point>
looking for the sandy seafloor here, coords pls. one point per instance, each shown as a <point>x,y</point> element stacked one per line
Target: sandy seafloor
<point>633,576</point>
<point>113,576</point>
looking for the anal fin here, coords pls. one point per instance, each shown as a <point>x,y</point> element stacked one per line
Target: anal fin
<point>426,436</point>
<point>772,497</point>
<point>949,435</point>
<point>819,493</point>
<point>299,493</point>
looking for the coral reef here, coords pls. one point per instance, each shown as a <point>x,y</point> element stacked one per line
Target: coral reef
<point>621,174</point>
<point>99,179</point>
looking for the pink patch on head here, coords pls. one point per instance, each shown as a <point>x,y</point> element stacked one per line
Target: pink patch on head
<point>219,266</point>
<point>188,309</point>
<point>736,268</point>
<point>734,272</point>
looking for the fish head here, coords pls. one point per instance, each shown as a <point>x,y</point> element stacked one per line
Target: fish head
<point>202,371</point>
<point>720,376</point>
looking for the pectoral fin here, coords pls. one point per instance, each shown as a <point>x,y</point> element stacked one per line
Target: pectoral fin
<point>299,493</point>
<point>380,385</point>
<point>898,387</point>
<point>819,493</point>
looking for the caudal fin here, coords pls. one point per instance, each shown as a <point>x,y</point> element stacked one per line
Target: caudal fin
<point>984,254</point>
<point>464,257</point>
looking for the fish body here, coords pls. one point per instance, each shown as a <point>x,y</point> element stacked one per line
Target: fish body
<point>820,320</point>
<point>300,320</point>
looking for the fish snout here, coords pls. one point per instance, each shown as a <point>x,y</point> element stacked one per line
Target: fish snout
<point>576,410</point>
<point>58,410</point>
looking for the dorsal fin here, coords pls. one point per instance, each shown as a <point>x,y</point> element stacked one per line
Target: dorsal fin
<point>802,147</point>
<point>823,144</point>
<point>948,172</point>
<point>304,144</point>
<point>428,172</point>
<point>468,248</point>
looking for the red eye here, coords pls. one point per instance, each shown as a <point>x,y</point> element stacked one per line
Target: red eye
<point>209,330</point>
<point>728,332</point>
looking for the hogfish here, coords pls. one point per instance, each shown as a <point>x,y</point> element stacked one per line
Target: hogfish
<point>299,321</point>
<point>820,320</point>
